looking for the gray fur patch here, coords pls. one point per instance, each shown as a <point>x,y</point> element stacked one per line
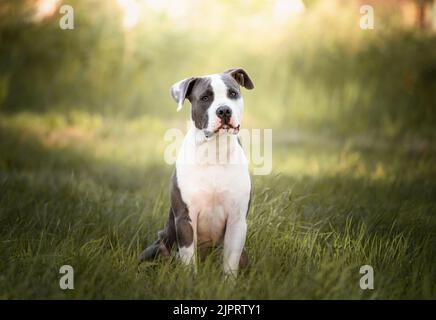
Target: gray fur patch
<point>232,86</point>
<point>184,232</point>
<point>201,97</point>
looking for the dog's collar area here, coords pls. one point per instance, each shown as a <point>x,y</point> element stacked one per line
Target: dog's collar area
<point>202,136</point>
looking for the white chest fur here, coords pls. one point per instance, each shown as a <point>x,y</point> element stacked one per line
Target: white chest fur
<point>214,183</point>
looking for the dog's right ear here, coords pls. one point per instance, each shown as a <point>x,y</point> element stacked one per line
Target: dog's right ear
<point>241,77</point>
<point>181,90</point>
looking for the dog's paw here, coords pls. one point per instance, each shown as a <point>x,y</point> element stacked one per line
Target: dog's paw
<point>153,251</point>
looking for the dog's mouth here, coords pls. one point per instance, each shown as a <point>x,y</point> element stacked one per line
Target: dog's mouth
<point>227,128</point>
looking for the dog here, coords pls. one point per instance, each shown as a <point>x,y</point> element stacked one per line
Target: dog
<point>210,189</point>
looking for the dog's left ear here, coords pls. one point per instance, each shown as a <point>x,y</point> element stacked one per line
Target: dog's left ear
<point>181,90</point>
<point>241,77</point>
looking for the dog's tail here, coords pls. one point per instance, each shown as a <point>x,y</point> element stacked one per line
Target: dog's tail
<point>153,250</point>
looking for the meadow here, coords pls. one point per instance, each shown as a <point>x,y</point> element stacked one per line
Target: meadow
<point>93,194</point>
<point>83,180</point>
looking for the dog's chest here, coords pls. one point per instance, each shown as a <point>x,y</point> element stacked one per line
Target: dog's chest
<point>213,192</point>
<point>211,186</point>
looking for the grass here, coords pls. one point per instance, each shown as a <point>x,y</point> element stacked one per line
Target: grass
<point>91,192</point>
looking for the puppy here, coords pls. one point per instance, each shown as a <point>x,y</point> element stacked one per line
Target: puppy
<point>210,188</point>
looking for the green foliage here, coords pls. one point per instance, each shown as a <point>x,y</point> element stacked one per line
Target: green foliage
<point>340,80</point>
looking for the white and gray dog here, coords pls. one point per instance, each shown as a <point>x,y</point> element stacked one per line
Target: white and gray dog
<point>210,198</point>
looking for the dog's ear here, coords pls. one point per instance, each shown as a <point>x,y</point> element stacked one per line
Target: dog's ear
<point>241,77</point>
<point>181,90</point>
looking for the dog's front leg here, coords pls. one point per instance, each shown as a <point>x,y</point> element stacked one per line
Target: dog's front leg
<point>234,241</point>
<point>186,232</point>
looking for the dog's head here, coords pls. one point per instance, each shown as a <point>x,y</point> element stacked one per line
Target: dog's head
<point>216,100</point>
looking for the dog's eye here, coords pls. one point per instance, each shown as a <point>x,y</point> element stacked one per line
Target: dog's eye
<point>233,94</point>
<point>204,98</point>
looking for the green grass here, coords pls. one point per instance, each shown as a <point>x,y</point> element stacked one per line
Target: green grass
<point>92,192</point>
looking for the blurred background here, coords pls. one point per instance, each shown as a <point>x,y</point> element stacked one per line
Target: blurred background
<point>83,114</point>
<point>314,68</point>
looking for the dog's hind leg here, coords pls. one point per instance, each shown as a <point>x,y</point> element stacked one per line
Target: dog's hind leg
<point>186,232</point>
<point>149,253</point>
<point>162,246</point>
<point>152,251</point>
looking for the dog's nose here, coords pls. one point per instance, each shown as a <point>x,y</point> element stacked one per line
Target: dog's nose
<point>224,113</point>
